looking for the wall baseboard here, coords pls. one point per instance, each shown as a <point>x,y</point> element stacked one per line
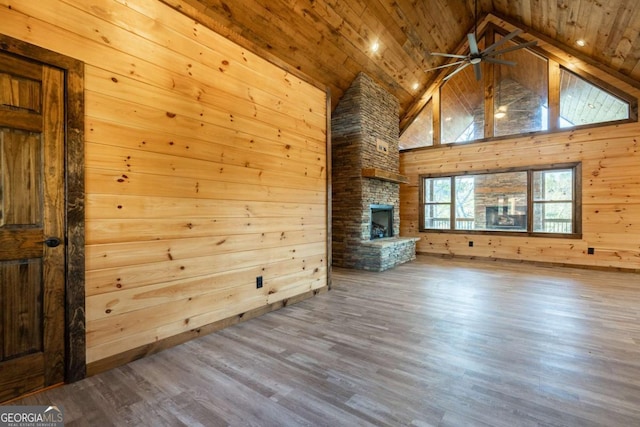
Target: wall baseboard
<point>529,262</point>
<point>155,347</point>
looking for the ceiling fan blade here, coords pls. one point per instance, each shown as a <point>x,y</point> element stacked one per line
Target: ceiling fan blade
<point>499,61</point>
<point>457,70</point>
<point>512,48</point>
<point>473,44</point>
<point>447,55</point>
<point>445,66</point>
<point>478,71</point>
<point>501,41</point>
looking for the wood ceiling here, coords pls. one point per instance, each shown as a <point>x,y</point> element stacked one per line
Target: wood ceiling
<point>331,41</point>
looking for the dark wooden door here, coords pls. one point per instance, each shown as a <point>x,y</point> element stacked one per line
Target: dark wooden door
<point>31,211</point>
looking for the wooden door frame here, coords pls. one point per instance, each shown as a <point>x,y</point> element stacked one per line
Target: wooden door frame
<point>75,330</point>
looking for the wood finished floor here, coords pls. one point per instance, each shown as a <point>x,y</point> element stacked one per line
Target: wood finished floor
<point>431,343</point>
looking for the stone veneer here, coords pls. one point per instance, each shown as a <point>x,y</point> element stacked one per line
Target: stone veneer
<point>365,116</point>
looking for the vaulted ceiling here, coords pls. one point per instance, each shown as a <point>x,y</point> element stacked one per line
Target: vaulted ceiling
<point>331,41</point>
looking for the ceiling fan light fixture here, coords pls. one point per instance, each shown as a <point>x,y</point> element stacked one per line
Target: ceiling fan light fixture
<point>476,56</point>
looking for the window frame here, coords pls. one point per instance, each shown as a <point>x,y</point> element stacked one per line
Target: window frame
<point>576,167</point>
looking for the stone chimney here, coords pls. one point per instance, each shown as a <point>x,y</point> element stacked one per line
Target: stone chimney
<point>365,179</point>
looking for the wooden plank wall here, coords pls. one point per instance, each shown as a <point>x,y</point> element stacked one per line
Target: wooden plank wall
<point>610,157</point>
<point>205,168</point>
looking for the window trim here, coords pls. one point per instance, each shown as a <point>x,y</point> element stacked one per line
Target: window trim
<point>577,201</point>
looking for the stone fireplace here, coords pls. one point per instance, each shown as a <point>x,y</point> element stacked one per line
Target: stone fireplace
<point>366,180</point>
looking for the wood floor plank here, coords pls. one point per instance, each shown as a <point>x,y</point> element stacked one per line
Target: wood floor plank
<point>434,342</point>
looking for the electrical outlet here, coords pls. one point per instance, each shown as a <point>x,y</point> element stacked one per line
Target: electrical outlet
<point>382,146</point>
<point>258,282</point>
<point>591,251</point>
<point>470,243</point>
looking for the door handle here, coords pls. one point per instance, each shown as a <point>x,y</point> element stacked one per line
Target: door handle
<point>52,242</point>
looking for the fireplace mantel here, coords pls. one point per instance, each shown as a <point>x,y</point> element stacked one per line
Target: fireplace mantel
<point>383,175</point>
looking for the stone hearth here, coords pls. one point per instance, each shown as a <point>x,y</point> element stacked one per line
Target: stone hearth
<point>365,173</point>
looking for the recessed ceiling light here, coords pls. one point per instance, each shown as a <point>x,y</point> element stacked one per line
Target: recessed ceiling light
<point>415,86</point>
<point>580,42</point>
<point>501,112</point>
<point>375,46</point>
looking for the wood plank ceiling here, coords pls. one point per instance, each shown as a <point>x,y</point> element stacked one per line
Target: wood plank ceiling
<point>331,41</point>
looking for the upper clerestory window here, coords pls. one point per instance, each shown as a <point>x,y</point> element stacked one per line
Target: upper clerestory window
<point>538,94</point>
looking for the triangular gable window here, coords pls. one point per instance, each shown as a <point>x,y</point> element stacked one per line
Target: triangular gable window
<point>582,103</point>
<point>420,133</point>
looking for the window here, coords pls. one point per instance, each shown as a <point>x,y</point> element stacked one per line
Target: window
<point>521,93</point>
<point>528,201</point>
<point>465,202</point>
<point>582,103</point>
<point>462,105</point>
<point>553,201</point>
<point>538,94</point>
<point>437,203</point>
<point>462,108</point>
<point>420,133</point>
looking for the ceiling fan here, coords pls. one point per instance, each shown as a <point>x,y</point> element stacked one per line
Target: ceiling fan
<point>475,56</point>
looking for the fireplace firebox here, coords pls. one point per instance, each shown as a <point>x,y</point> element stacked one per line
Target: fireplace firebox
<point>381,221</point>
